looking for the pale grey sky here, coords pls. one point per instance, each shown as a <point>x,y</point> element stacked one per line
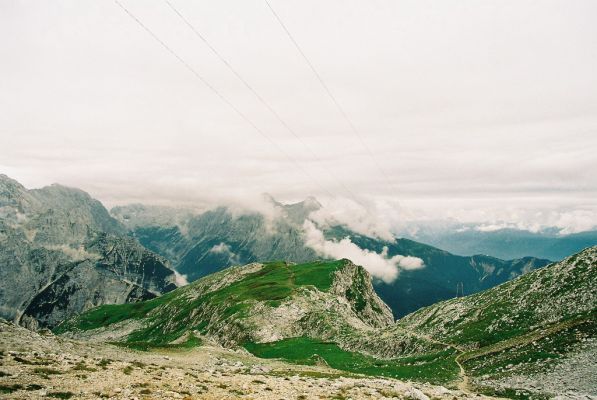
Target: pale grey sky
<point>475,110</point>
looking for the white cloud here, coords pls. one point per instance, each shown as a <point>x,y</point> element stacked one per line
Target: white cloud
<point>180,280</point>
<point>224,249</point>
<point>565,221</point>
<point>378,264</point>
<point>363,219</point>
<point>491,227</point>
<point>220,248</point>
<point>533,214</point>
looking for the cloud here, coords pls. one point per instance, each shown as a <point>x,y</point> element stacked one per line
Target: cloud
<point>491,227</point>
<point>564,221</point>
<point>220,248</point>
<point>378,264</point>
<point>363,219</point>
<point>180,280</point>
<point>225,250</point>
<point>536,214</point>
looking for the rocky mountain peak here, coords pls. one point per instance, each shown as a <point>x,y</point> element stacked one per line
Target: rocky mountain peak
<point>62,253</point>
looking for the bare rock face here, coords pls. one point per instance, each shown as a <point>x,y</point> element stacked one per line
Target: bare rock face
<point>62,253</point>
<point>353,282</point>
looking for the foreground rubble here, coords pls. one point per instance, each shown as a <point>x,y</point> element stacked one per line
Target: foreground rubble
<point>41,365</point>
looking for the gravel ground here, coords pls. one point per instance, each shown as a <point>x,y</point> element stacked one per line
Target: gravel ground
<point>574,377</point>
<point>41,366</point>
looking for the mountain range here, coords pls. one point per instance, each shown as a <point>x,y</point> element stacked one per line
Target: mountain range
<point>62,253</point>
<point>198,245</point>
<point>503,242</point>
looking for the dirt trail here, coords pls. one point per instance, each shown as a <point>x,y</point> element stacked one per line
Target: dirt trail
<point>463,383</point>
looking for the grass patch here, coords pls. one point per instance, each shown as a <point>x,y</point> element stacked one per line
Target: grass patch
<point>46,372</point>
<point>188,344</point>
<point>104,362</point>
<point>7,389</point>
<point>111,314</point>
<point>438,367</point>
<point>319,274</point>
<point>82,367</point>
<point>531,353</point>
<point>61,395</point>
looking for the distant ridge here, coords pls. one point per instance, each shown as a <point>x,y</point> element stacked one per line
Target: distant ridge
<point>200,244</point>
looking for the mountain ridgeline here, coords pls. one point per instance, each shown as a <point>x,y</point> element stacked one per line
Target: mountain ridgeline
<point>502,242</point>
<point>524,338</point>
<point>198,245</point>
<point>62,253</point>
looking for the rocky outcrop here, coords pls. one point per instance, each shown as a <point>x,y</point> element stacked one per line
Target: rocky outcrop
<point>353,283</point>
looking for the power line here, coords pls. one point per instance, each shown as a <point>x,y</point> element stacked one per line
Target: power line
<point>329,92</point>
<point>257,95</point>
<point>218,94</point>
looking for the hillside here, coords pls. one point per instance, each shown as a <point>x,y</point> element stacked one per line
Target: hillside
<point>515,336</point>
<point>502,341</point>
<point>198,245</point>
<point>316,313</point>
<point>252,303</point>
<point>62,253</point>
<point>442,273</point>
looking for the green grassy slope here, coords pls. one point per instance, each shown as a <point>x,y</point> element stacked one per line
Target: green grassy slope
<point>438,366</point>
<point>250,303</point>
<point>562,291</point>
<point>519,329</point>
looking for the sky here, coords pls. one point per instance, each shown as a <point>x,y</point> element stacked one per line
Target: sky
<point>474,111</point>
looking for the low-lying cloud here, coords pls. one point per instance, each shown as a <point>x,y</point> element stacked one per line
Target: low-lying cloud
<point>379,265</point>
<point>180,280</point>
<point>357,217</point>
<point>226,251</point>
<point>220,248</point>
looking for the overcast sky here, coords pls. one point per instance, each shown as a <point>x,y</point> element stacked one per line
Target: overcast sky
<point>475,110</point>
